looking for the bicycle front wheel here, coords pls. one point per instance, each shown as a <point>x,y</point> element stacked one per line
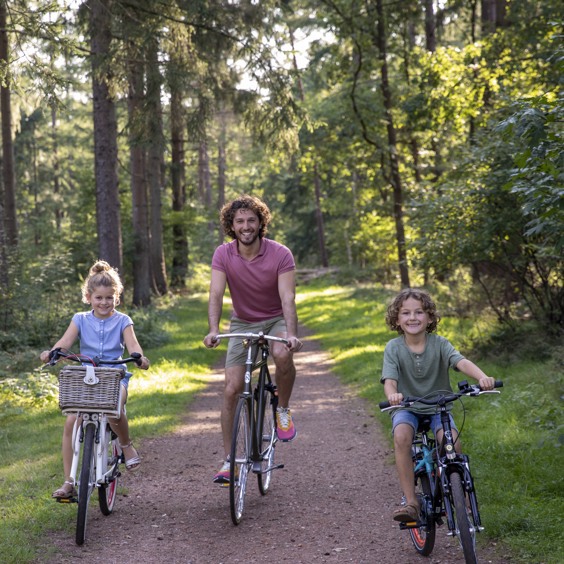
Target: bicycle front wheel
<point>86,482</point>
<point>266,434</point>
<point>107,491</point>
<point>423,537</point>
<point>239,460</point>
<point>465,531</point>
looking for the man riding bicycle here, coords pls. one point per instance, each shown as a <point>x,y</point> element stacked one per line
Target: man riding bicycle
<point>260,274</point>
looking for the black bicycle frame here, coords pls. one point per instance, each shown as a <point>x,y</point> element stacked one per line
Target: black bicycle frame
<point>439,463</point>
<point>251,365</point>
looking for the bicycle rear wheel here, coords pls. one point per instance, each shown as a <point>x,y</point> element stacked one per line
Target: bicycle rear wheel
<point>465,531</point>
<point>266,433</point>
<point>107,492</point>
<point>86,482</point>
<point>239,460</point>
<point>423,537</point>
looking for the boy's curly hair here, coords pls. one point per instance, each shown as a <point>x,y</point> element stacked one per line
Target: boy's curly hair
<point>422,296</point>
<point>245,202</point>
<point>102,274</point>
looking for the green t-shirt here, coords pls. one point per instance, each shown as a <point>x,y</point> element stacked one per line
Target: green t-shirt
<point>420,374</point>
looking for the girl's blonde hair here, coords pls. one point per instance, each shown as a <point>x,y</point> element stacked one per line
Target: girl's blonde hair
<point>102,274</point>
<point>427,303</point>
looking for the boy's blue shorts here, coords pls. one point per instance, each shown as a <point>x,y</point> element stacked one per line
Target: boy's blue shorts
<point>413,419</point>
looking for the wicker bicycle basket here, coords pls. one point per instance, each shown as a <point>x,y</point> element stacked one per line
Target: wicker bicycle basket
<point>85,388</point>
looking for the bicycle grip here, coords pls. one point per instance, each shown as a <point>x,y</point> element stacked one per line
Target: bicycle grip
<point>137,357</point>
<point>498,384</point>
<point>384,404</point>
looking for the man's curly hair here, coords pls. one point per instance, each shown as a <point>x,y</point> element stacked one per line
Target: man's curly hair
<point>422,296</point>
<point>245,202</point>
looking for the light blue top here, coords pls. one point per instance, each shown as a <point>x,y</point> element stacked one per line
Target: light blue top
<point>102,337</point>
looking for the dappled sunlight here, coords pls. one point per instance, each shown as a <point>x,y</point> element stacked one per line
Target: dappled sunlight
<point>305,293</point>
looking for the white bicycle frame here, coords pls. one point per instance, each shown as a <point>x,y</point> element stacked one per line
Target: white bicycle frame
<point>100,421</point>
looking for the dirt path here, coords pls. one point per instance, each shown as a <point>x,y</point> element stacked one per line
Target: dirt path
<point>331,503</point>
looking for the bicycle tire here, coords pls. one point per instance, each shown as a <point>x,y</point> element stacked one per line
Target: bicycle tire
<point>107,492</point>
<point>465,531</point>
<point>266,435</point>
<point>86,482</point>
<point>239,460</point>
<point>423,537</point>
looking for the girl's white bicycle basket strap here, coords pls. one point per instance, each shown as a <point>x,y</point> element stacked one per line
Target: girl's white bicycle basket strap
<point>89,388</point>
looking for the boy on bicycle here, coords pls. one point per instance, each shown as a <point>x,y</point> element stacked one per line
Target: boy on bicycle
<point>416,364</point>
<point>260,274</point>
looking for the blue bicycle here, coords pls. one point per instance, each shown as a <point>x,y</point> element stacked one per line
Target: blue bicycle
<point>443,481</point>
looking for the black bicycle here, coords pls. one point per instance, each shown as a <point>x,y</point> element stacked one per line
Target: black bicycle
<point>443,481</point>
<point>92,393</point>
<point>254,425</point>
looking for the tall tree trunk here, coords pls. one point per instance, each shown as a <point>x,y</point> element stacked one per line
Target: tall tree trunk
<point>323,255</point>
<point>178,181</point>
<point>108,218</point>
<point>392,145</point>
<point>56,168</point>
<point>221,165</point>
<point>154,169</point>
<point>139,200</point>
<point>204,181</point>
<point>8,170</point>
<point>319,218</point>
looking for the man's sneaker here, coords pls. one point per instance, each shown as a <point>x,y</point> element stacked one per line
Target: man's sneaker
<point>285,428</point>
<point>223,476</point>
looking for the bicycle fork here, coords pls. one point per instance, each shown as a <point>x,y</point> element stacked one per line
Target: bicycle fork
<point>105,473</point>
<point>460,466</point>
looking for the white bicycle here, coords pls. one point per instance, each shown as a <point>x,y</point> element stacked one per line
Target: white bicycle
<point>92,393</point>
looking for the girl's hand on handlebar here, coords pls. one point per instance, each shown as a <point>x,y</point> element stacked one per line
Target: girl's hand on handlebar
<point>44,357</point>
<point>143,362</point>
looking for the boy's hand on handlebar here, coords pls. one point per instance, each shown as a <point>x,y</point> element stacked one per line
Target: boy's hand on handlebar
<point>395,399</point>
<point>486,383</point>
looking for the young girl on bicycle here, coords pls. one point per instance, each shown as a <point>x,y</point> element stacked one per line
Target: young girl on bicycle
<point>417,364</point>
<point>103,332</point>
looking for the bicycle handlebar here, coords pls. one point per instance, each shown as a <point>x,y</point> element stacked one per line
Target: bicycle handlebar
<point>56,354</point>
<point>251,336</point>
<point>465,390</point>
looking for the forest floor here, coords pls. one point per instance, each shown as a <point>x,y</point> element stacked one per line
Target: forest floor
<point>333,501</point>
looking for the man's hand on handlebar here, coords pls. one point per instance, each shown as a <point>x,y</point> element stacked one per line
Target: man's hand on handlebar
<point>294,344</point>
<point>211,341</point>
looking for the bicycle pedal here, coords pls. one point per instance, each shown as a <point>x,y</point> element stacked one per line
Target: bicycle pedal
<point>410,525</point>
<point>66,500</point>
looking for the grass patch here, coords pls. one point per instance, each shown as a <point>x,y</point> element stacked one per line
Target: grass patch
<point>514,440</point>
<point>31,425</point>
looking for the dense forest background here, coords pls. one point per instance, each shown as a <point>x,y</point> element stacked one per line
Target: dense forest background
<point>400,142</point>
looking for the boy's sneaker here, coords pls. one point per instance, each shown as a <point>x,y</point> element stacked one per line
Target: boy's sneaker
<point>223,476</point>
<point>285,428</point>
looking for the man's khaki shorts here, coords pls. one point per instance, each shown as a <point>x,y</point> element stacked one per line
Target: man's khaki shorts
<point>236,353</point>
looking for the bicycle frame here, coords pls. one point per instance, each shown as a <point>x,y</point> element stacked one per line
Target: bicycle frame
<point>439,464</point>
<point>443,479</point>
<point>91,433</point>
<point>250,395</point>
<point>100,422</point>
<point>253,429</point>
